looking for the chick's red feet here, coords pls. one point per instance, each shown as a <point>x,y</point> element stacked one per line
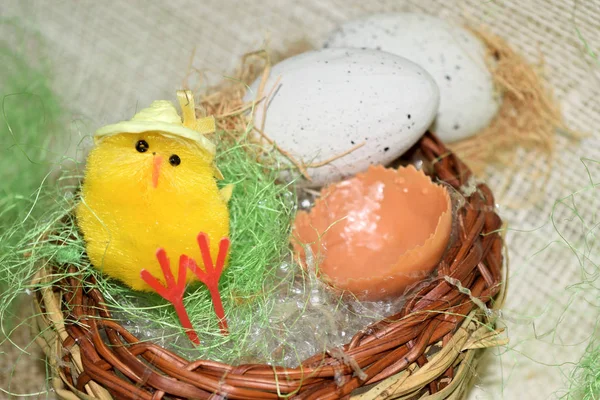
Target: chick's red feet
<point>211,274</point>
<point>174,290</point>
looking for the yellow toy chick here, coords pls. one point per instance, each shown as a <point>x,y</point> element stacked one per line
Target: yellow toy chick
<point>149,190</point>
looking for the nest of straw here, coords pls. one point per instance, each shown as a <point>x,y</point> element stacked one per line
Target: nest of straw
<point>427,350</point>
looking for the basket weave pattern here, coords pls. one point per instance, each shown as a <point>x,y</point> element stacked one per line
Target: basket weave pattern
<point>427,349</point>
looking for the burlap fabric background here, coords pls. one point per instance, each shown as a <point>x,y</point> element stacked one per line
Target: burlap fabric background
<point>113,57</point>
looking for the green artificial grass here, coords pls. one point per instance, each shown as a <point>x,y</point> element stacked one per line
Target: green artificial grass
<point>585,381</point>
<point>31,116</point>
<point>261,213</point>
<point>29,120</point>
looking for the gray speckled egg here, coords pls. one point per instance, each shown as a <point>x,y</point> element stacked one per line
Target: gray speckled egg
<point>452,55</point>
<point>329,101</point>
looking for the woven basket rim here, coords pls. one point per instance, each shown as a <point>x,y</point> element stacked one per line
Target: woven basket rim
<point>429,348</point>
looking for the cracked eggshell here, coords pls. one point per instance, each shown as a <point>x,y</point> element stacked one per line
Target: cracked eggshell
<point>453,56</point>
<point>377,233</point>
<point>329,101</point>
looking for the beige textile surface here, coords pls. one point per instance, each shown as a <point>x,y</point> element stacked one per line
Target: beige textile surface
<point>113,57</point>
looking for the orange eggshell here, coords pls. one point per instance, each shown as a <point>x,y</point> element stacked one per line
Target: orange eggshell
<point>378,232</point>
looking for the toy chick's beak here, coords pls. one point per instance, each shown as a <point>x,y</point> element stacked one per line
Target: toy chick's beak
<point>156,170</point>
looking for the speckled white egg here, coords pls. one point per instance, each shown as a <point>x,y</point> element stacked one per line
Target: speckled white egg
<point>329,101</point>
<point>452,55</point>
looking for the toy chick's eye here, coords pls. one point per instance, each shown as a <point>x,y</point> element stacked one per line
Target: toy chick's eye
<point>142,146</point>
<point>174,160</point>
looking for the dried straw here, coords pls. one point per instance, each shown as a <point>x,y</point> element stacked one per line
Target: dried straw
<point>529,116</point>
<point>226,102</point>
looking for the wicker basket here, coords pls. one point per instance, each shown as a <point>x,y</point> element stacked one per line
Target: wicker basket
<point>428,350</point>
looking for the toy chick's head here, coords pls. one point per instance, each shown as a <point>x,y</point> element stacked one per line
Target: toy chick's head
<point>156,149</point>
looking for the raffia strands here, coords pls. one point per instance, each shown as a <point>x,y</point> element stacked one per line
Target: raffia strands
<point>225,101</point>
<point>585,378</point>
<point>529,116</point>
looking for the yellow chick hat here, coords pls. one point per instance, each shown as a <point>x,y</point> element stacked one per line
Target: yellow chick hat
<point>162,117</point>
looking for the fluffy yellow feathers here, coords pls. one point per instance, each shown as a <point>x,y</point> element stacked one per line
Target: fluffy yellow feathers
<point>150,183</point>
